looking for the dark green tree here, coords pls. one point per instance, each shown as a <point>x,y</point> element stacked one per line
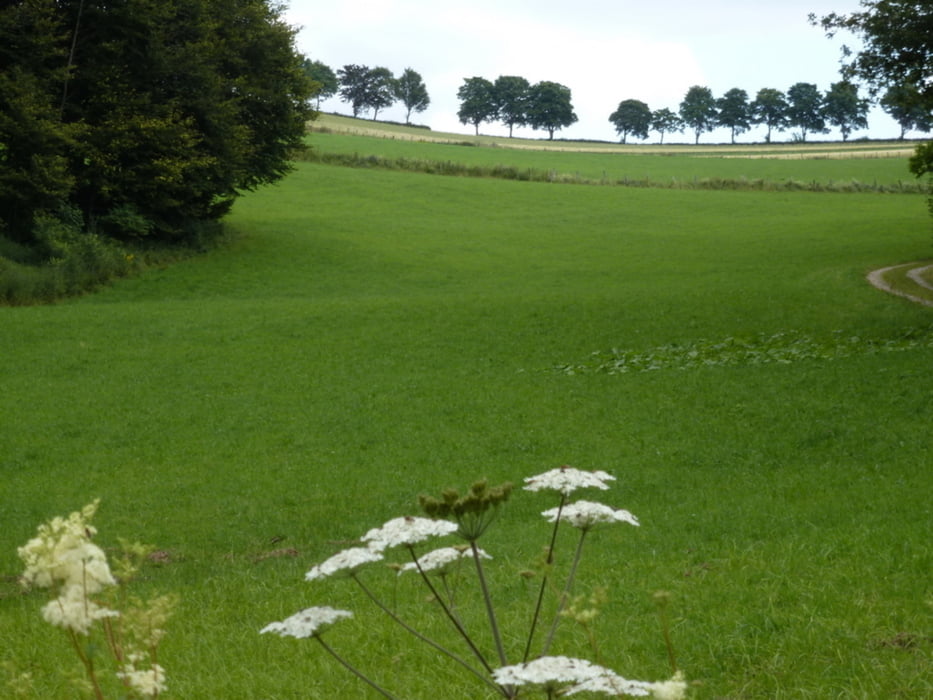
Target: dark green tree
<point>770,109</point>
<point>410,90</point>
<point>477,102</point>
<point>734,112</point>
<point>380,90</point>
<point>354,86</point>
<point>325,80</point>
<point>805,109</point>
<point>631,117</point>
<point>845,109</point>
<point>549,107</point>
<point>147,117</point>
<point>665,121</point>
<point>698,110</point>
<point>511,94</point>
<point>905,105</point>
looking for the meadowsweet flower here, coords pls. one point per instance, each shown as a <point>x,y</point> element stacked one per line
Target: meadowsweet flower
<point>549,672</point>
<point>440,560</point>
<point>346,562</point>
<point>610,683</point>
<point>72,610</point>
<point>148,682</point>
<point>310,622</point>
<point>407,530</point>
<point>673,689</point>
<point>566,480</point>
<point>587,514</point>
<point>62,554</point>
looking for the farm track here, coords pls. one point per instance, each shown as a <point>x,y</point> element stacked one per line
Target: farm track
<point>917,274</point>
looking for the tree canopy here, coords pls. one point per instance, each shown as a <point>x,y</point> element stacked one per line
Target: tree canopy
<point>845,109</point>
<point>410,90</point>
<point>549,107</point>
<point>805,109</point>
<point>511,96</point>
<point>734,112</point>
<point>142,118</point>
<point>477,102</point>
<point>698,110</point>
<point>631,117</point>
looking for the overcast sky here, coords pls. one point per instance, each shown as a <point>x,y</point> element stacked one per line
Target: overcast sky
<point>605,51</point>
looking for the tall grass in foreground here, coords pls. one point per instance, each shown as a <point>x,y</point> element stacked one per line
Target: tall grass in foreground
<point>370,333</point>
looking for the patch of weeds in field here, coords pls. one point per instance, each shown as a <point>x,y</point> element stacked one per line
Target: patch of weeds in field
<point>785,347</point>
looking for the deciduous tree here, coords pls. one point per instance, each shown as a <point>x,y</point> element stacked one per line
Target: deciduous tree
<point>769,108</point>
<point>631,117</point>
<point>549,107</point>
<point>733,112</point>
<point>905,105</point>
<point>325,80</point>
<point>845,109</point>
<point>698,110</point>
<point>511,94</point>
<point>410,90</point>
<point>477,102</point>
<point>665,121</point>
<point>805,109</point>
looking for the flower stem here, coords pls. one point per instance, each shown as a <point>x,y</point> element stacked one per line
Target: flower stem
<point>88,665</point>
<point>450,616</point>
<point>544,578</point>
<point>565,594</point>
<point>490,611</point>
<point>426,640</point>
<point>352,669</point>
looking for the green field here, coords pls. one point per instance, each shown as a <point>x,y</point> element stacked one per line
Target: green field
<point>368,335</point>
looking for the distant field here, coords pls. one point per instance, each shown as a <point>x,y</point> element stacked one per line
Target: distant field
<point>883,163</point>
<point>369,335</point>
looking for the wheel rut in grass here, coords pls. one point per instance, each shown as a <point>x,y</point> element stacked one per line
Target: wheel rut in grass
<point>917,273</point>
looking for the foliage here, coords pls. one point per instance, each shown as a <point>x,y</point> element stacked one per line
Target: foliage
<point>698,110</point>
<point>845,109</point>
<point>323,76</point>
<point>769,108</point>
<point>905,104</point>
<point>805,109</point>
<point>549,107</point>
<point>664,121</point>
<point>632,117</point>
<point>511,95</point>
<point>477,102</point>
<point>734,112</point>
<point>410,90</point>
<point>170,109</point>
<point>366,88</point>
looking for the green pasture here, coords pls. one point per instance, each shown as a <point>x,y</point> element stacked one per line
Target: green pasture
<point>370,335</point>
<point>776,165</point>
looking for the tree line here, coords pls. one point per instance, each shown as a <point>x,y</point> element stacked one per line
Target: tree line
<point>802,107</point>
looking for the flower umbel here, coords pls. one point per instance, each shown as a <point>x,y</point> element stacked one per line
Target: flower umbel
<point>310,622</point>
<point>587,514</point>
<point>566,480</point>
<point>549,672</point>
<point>406,531</point>
<point>347,563</point>
<point>440,560</point>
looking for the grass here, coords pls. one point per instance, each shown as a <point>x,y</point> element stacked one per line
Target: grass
<point>371,335</point>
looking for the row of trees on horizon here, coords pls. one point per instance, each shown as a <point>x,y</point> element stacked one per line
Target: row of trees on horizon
<point>515,102</point>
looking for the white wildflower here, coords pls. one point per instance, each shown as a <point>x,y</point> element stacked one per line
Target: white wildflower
<point>62,554</point>
<point>587,514</point>
<point>440,560</point>
<point>673,689</point>
<point>610,683</point>
<point>346,562</point>
<point>307,623</point>
<point>566,480</point>
<point>407,530</point>
<point>147,682</point>
<point>73,610</point>
<point>548,671</point>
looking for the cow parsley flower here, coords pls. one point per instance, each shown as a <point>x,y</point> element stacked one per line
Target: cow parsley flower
<point>610,683</point>
<point>587,514</point>
<point>566,480</point>
<point>548,672</point>
<point>346,562</point>
<point>406,531</point>
<point>310,622</point>
<point>440,560</point>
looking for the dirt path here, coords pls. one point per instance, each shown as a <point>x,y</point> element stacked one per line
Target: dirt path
<point>876,278</point>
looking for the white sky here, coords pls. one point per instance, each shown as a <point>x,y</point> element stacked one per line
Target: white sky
<point>605,51</point>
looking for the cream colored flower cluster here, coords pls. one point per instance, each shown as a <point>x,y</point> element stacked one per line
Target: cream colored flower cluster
<point>62,556</point>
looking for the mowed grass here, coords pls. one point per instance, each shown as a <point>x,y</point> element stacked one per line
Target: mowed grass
<point>371,335</point>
